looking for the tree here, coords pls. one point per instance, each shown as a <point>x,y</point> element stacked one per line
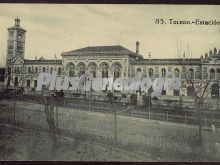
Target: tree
<point>199,88</point>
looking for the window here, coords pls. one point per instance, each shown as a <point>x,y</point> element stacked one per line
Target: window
<point>43,69</point>
<point>35,83</point>
<point>138,69</point>
<point>218,73</point>
<point>71,73</point>
<point>176,92</point>
<point>151,72</point>
<point>176,72</point>
<point>59,71</point>
<point>212,73</point>
<point>9,70</point>
<point>190,74</point>
<point>16,81</point>
<point>29,69</point>
<point>51,70</point>
<point>164,92</point>
<point>163,71</point>
<point>28,83</point>
<point>36,70</point>
<point>93,73</point>
<point>116,73</point>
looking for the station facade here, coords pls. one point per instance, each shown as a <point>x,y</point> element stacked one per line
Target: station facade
<point>105,62</point>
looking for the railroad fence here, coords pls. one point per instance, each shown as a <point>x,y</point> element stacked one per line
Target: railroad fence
<point>209,118</point>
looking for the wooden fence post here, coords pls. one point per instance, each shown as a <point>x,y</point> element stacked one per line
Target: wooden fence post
<point>76,103</point>
<point>185,117</point>
<point>57,115</point>
<point>14,114</point>
<point>64,102</point>
<point>115,128</point>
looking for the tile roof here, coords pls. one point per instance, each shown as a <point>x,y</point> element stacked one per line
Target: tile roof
<point>194,61</point>
<point>43,61</point>
<point>116,49</point>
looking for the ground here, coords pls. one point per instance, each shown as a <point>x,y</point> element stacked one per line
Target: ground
<point>139,139</point>
<point>25,144</point>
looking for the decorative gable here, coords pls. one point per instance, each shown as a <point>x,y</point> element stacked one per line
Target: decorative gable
<point>17,60</point>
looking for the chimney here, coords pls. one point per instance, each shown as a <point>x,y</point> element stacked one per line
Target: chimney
<point>149,56</point>
<point>137,47</point>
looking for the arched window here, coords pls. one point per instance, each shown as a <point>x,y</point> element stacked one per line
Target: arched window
<point>15,70</point>
<point>29,69</point>
<point>92,69</point>
<point>94,73</point>
<point>151,73</point>
<point>104,68</point>
<point>176,72</point>
<point>104,73</point>
<point>70,67</point>
<point>163,72</point>
<point>190,74</point>
<point>36,70</point>
<point>116,73</point>
<point>212,73</point>
<point>51,70</point>
<point>138,69</point>
<point>59,71</point>
<point>43,69</point>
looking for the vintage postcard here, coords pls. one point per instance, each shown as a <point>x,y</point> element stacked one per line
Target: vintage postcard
<point>109,82</point>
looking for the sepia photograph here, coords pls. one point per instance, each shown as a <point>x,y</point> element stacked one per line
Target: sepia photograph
<point>109,82</point>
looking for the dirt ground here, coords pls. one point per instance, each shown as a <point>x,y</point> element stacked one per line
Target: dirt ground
<point>25,144</point>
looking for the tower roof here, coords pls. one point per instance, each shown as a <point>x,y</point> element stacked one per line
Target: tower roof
<point>17,25</point>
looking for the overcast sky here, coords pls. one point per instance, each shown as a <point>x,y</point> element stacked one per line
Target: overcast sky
<point>54,28</point>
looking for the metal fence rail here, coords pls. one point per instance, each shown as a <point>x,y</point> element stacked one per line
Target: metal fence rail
<point>185,116</point>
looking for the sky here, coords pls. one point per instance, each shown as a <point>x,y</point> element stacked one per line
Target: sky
<point>56,28</point>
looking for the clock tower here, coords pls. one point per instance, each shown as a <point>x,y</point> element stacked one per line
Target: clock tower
<point>15,50</point>
<point>16,41</point>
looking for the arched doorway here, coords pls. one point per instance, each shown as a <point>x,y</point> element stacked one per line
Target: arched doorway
<point>116,68</point>
<point>70,69</point>
<point>81,68</point>
<point>92,69</point>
